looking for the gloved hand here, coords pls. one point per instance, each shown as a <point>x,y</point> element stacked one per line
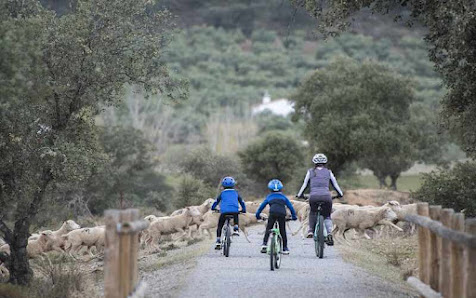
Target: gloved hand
<point>243,211</point>
<point>258,217</point>
<point>294,218</point>
<point>296,196</point>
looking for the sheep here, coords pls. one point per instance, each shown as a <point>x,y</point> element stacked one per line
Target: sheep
<point>57,242</point>
<point>402,211</point>
<point>210,221</point>
<point>174,224</point>
<point>3,271</point>
<point>252,207</point>
<point>202,209</point>
<point>363,218</point>
<point>89,237</point>
<point>38,246</point>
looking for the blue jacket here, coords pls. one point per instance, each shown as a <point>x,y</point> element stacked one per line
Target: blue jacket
<point>277,205</point>
<point>228,200</point>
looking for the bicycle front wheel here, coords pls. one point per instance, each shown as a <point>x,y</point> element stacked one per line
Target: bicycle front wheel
<point>272,253</point>
<point>279,248</point>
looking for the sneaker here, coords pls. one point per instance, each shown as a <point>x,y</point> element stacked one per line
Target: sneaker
<point>218,246</point>
<point>285,251</point>
<point>264,248</point>
<point>330,240</point>
<point>236,233</point>
<point>310,235</point>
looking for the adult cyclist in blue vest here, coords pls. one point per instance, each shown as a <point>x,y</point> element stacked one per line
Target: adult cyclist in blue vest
<point>277,212</point>
<point>318,178</point>
<point>229,201</point>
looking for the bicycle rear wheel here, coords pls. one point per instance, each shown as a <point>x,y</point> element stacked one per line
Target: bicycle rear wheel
<point>227,241</point>
<point>279,249</point>
<point>319,237</point>
<point>272,253</point>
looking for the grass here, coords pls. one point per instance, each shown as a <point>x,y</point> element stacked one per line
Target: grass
<point>391,258</point>
<point>184,254</point>
<point>404,183</point>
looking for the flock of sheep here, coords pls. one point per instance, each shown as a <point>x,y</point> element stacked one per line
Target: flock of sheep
<point>193,221</point>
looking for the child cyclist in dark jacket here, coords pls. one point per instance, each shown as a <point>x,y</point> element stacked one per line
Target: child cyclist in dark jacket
<point>277,212</point>
<point>228,200</point>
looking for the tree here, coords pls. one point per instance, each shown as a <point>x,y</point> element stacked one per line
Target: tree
<point>452,48</point>
<point>452,188</point>
<point>129,176</point>
<point>274,155</point>
<point>360,113</point>
<point>57,73</point>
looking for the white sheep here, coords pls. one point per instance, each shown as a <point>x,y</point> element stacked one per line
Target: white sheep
<point>89,237</point>
<point>171,225</point>
<point>57,242</point>
<point>363,218</point>
<point>38,246</point>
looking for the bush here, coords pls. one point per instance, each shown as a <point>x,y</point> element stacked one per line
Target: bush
<point>191,191</point>
<point>273,156</point>
<point>455,188</point>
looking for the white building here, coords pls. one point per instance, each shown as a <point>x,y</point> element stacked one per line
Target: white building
<point>280,107</point>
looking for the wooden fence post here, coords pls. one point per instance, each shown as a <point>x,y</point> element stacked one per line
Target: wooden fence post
<point>469,283</point>
<point>125,257</point>
<point>445,255</point>
<point>423,244</point>
<point>433,253</point>
<point>111,257</point>
<point>457,224</point>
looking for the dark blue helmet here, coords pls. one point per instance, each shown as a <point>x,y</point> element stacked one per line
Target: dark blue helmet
<point>228,182</point>
<point>275,185</point>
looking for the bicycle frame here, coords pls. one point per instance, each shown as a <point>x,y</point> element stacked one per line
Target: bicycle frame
<point>275,231</point>
<point>316,228</point>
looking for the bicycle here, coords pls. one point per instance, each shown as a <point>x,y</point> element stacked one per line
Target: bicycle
<point>226,236</point>
<point>320,232</point>
<point>275,247</point>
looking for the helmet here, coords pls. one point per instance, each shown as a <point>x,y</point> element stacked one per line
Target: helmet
<point>228,182</point>
<point>319,158</point>
<point>275,185</point>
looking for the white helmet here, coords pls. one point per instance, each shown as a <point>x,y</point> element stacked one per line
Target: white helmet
<point>319,158</point>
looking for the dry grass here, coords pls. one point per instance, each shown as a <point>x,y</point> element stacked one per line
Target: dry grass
<point>392,258</point>
<point>55,277</point>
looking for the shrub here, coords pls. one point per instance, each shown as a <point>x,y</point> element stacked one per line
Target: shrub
<point>455,188</point>
<point>191,191</point>
<point>272,156</point>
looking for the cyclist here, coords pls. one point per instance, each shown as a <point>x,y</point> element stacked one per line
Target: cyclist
<point>277,212</point>
<point>318,178</point>
<point>228,200</point>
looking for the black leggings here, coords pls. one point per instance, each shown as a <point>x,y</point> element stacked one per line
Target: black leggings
<point>221,221</point>
<point>282,228</point>
<point>326,208</point>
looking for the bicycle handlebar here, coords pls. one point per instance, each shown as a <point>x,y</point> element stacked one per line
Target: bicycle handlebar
<point>306,197</point>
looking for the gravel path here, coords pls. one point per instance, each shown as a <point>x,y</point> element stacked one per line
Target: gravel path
<point>246,273</point>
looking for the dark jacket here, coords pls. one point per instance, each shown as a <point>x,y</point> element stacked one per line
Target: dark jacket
<point>277,205</point>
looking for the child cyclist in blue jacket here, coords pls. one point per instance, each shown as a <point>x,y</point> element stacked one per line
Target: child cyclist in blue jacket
<point>277,212</point>
<point>228,200</point>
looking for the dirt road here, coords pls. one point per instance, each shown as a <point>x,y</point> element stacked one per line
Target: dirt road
<point>246,273</point>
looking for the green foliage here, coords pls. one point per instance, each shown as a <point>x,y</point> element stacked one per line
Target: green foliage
<point>57,73</point>
<point>274,155</point>
<point>360,112</point>
<point>454,188</point>
<point>191,191</point>
<point>451,38</point>
<point>268,121</point>
<point>129,175</point>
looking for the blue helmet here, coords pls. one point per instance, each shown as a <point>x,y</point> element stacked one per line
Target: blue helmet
<point>275,185</point>
<point>228,182</point>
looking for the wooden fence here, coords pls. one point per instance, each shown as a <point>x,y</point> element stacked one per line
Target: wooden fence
<point>447,253</point>
<point>122,244</point>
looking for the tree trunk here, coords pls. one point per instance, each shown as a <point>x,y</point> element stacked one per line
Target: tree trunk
<point>381,181</point>
<point>20,271</point>
<point>394,181</point>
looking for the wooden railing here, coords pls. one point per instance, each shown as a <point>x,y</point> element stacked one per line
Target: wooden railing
<point>447,253</point>
<point>122,244</point>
